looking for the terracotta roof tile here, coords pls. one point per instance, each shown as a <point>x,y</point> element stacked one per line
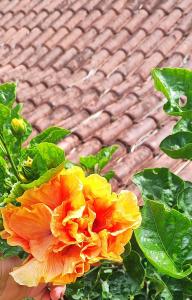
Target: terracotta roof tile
<point>170,20</point>
<point>137,131</point>
<point>111,132</point>
<point>85,65</point>
<point>66,15</point>
<point>51,18</point>
<point>137,19</point>
<point>122,105</point>
<point>92,146</point>
<point>154,141</point>
<point>131,163</point>
<point>134,40</point>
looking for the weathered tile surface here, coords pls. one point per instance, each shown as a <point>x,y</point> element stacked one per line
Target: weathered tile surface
<point>85,65</point>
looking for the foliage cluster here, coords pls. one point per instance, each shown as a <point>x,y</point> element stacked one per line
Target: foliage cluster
<point>157,264</point>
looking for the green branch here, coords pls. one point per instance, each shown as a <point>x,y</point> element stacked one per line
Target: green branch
<point>9,156</point>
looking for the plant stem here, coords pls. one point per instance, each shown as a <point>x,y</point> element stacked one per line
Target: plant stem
<point>9,156</point>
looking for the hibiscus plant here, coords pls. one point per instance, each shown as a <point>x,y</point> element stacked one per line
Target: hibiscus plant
<point>68,227</point>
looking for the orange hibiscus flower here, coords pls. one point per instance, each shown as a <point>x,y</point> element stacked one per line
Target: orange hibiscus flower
<point>68,224</point>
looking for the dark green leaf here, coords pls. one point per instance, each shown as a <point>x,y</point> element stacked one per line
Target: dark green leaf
<point>185,201</point>
<point>50,135</point>
<point>44,178</point>
<point>158,289</point>
<point>9,251</point>
<point>182,287</point>
<point>165,238</point>
<point>175,83</point>
<point>8,93</point>
<point>178,145</point>
<point>135,271</point>
<point>159,184</point>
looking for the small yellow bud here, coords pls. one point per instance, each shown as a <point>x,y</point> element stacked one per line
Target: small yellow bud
<point>28,162</point>
<point>18,126</point>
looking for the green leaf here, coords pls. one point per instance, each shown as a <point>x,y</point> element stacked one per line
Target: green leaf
<point>179,287</point>
<point>158,290</point>
<point>100,160</point>
<point>159,184</point>
<point>3,174</point>
<point>8,93</point>
<point>109,175</point>
<point>178,145</point>
<point>105,155</point>
<point>183,125</point>
<point>4,114</point>
<point>174,83</point>
<point>165,239</point>
<point>185,201</point>
<point>135,272</point>
<point>89,162</point>
<point>43,179</point>
<point>15,192</point>
<point>50,135</point>
<point>46,156</point>
<point>9,251</point>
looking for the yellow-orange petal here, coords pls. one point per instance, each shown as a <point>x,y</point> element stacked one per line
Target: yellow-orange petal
<point>27,223</point>
<point>75,171</point>
<point>98,191</point>
<point>48,193</point>
<point>30,274</point>
<point>126,211</point>
<point>60,223</point>
<point>41,247</point>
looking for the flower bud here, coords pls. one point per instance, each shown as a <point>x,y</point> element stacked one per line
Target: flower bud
<point>18,126</point>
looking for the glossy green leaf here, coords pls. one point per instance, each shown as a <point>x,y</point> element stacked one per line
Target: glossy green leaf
<point>159,184</point>
<point>8,93</point>
<point>165,238</point>
<point>43,179</point>
<point>175,83</point>
<point>50,135</point>
<point>46,156</point>
<point>4,114</point>
<point>185,201</point>
<point>178,145</point>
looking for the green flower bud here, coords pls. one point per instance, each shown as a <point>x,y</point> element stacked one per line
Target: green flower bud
<point>18,127</point>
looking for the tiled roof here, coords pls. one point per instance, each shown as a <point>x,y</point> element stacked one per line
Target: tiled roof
<point>85,65</point>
